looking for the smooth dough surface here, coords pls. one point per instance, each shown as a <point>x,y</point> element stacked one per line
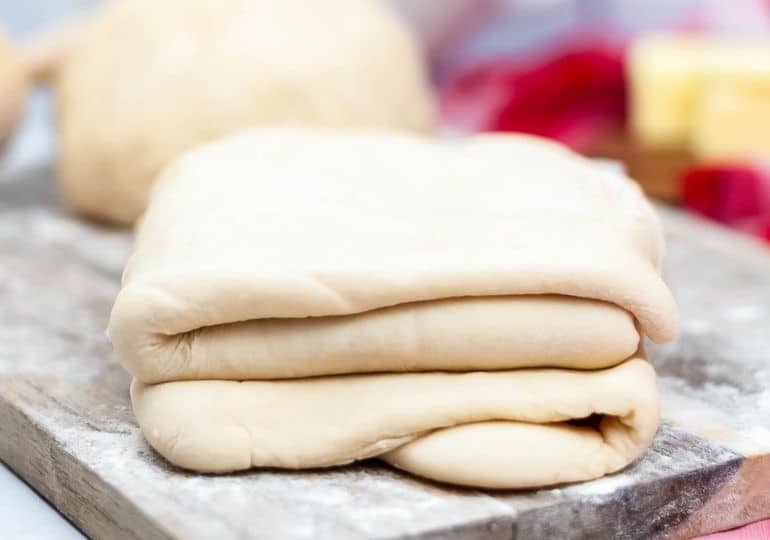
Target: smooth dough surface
<point>147,80</point>
<point>448,306</point>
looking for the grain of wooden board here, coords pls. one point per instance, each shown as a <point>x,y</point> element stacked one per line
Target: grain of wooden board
<point>66,425</point>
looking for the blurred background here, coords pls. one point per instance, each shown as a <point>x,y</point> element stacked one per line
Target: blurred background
<point>679,90</point>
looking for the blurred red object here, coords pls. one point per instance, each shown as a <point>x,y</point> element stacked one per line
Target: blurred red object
<point>725,192</point>
<point>572,94</point>
<point>737,195</point>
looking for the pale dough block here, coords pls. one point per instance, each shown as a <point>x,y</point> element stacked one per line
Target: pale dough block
<point>500,430</point>
<point>146,80</point>
<point>283,253</point>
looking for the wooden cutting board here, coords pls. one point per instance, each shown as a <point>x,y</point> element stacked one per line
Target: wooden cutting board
<point>66,425</point>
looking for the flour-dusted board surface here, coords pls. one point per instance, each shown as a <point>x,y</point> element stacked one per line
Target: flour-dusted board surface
<point>67,428</point>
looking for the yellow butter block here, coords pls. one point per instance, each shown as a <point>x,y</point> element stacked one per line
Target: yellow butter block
<point>685,89</point>
<point>664,83</point>
<point>732,122</point>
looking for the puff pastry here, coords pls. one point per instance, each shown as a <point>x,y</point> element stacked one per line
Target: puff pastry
<point>468,310</point>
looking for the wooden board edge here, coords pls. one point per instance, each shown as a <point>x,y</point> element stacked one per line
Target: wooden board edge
<point>96,508</point>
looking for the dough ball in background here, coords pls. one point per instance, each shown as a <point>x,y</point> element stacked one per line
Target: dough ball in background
<point>147,79</point>
<point>13,88</point>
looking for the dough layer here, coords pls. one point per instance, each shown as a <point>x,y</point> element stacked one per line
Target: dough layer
<point>500,430</point>
<point>459,334</point>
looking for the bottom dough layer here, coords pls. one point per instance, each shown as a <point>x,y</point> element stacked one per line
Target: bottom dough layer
<point>508,429</point>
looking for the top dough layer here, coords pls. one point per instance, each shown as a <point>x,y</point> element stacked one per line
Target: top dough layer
<point>280,224</point>
<point>146,80</point>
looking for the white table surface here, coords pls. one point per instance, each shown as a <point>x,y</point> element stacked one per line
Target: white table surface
<point>25,514</point>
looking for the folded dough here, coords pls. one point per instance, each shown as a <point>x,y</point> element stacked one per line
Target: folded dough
<point>391,296</point>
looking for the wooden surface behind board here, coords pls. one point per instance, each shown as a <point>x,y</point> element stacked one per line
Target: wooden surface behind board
<point>66,425</point>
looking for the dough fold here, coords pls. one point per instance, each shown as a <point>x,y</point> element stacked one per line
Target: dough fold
<point>487,429</point>
<point>470,311</point>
